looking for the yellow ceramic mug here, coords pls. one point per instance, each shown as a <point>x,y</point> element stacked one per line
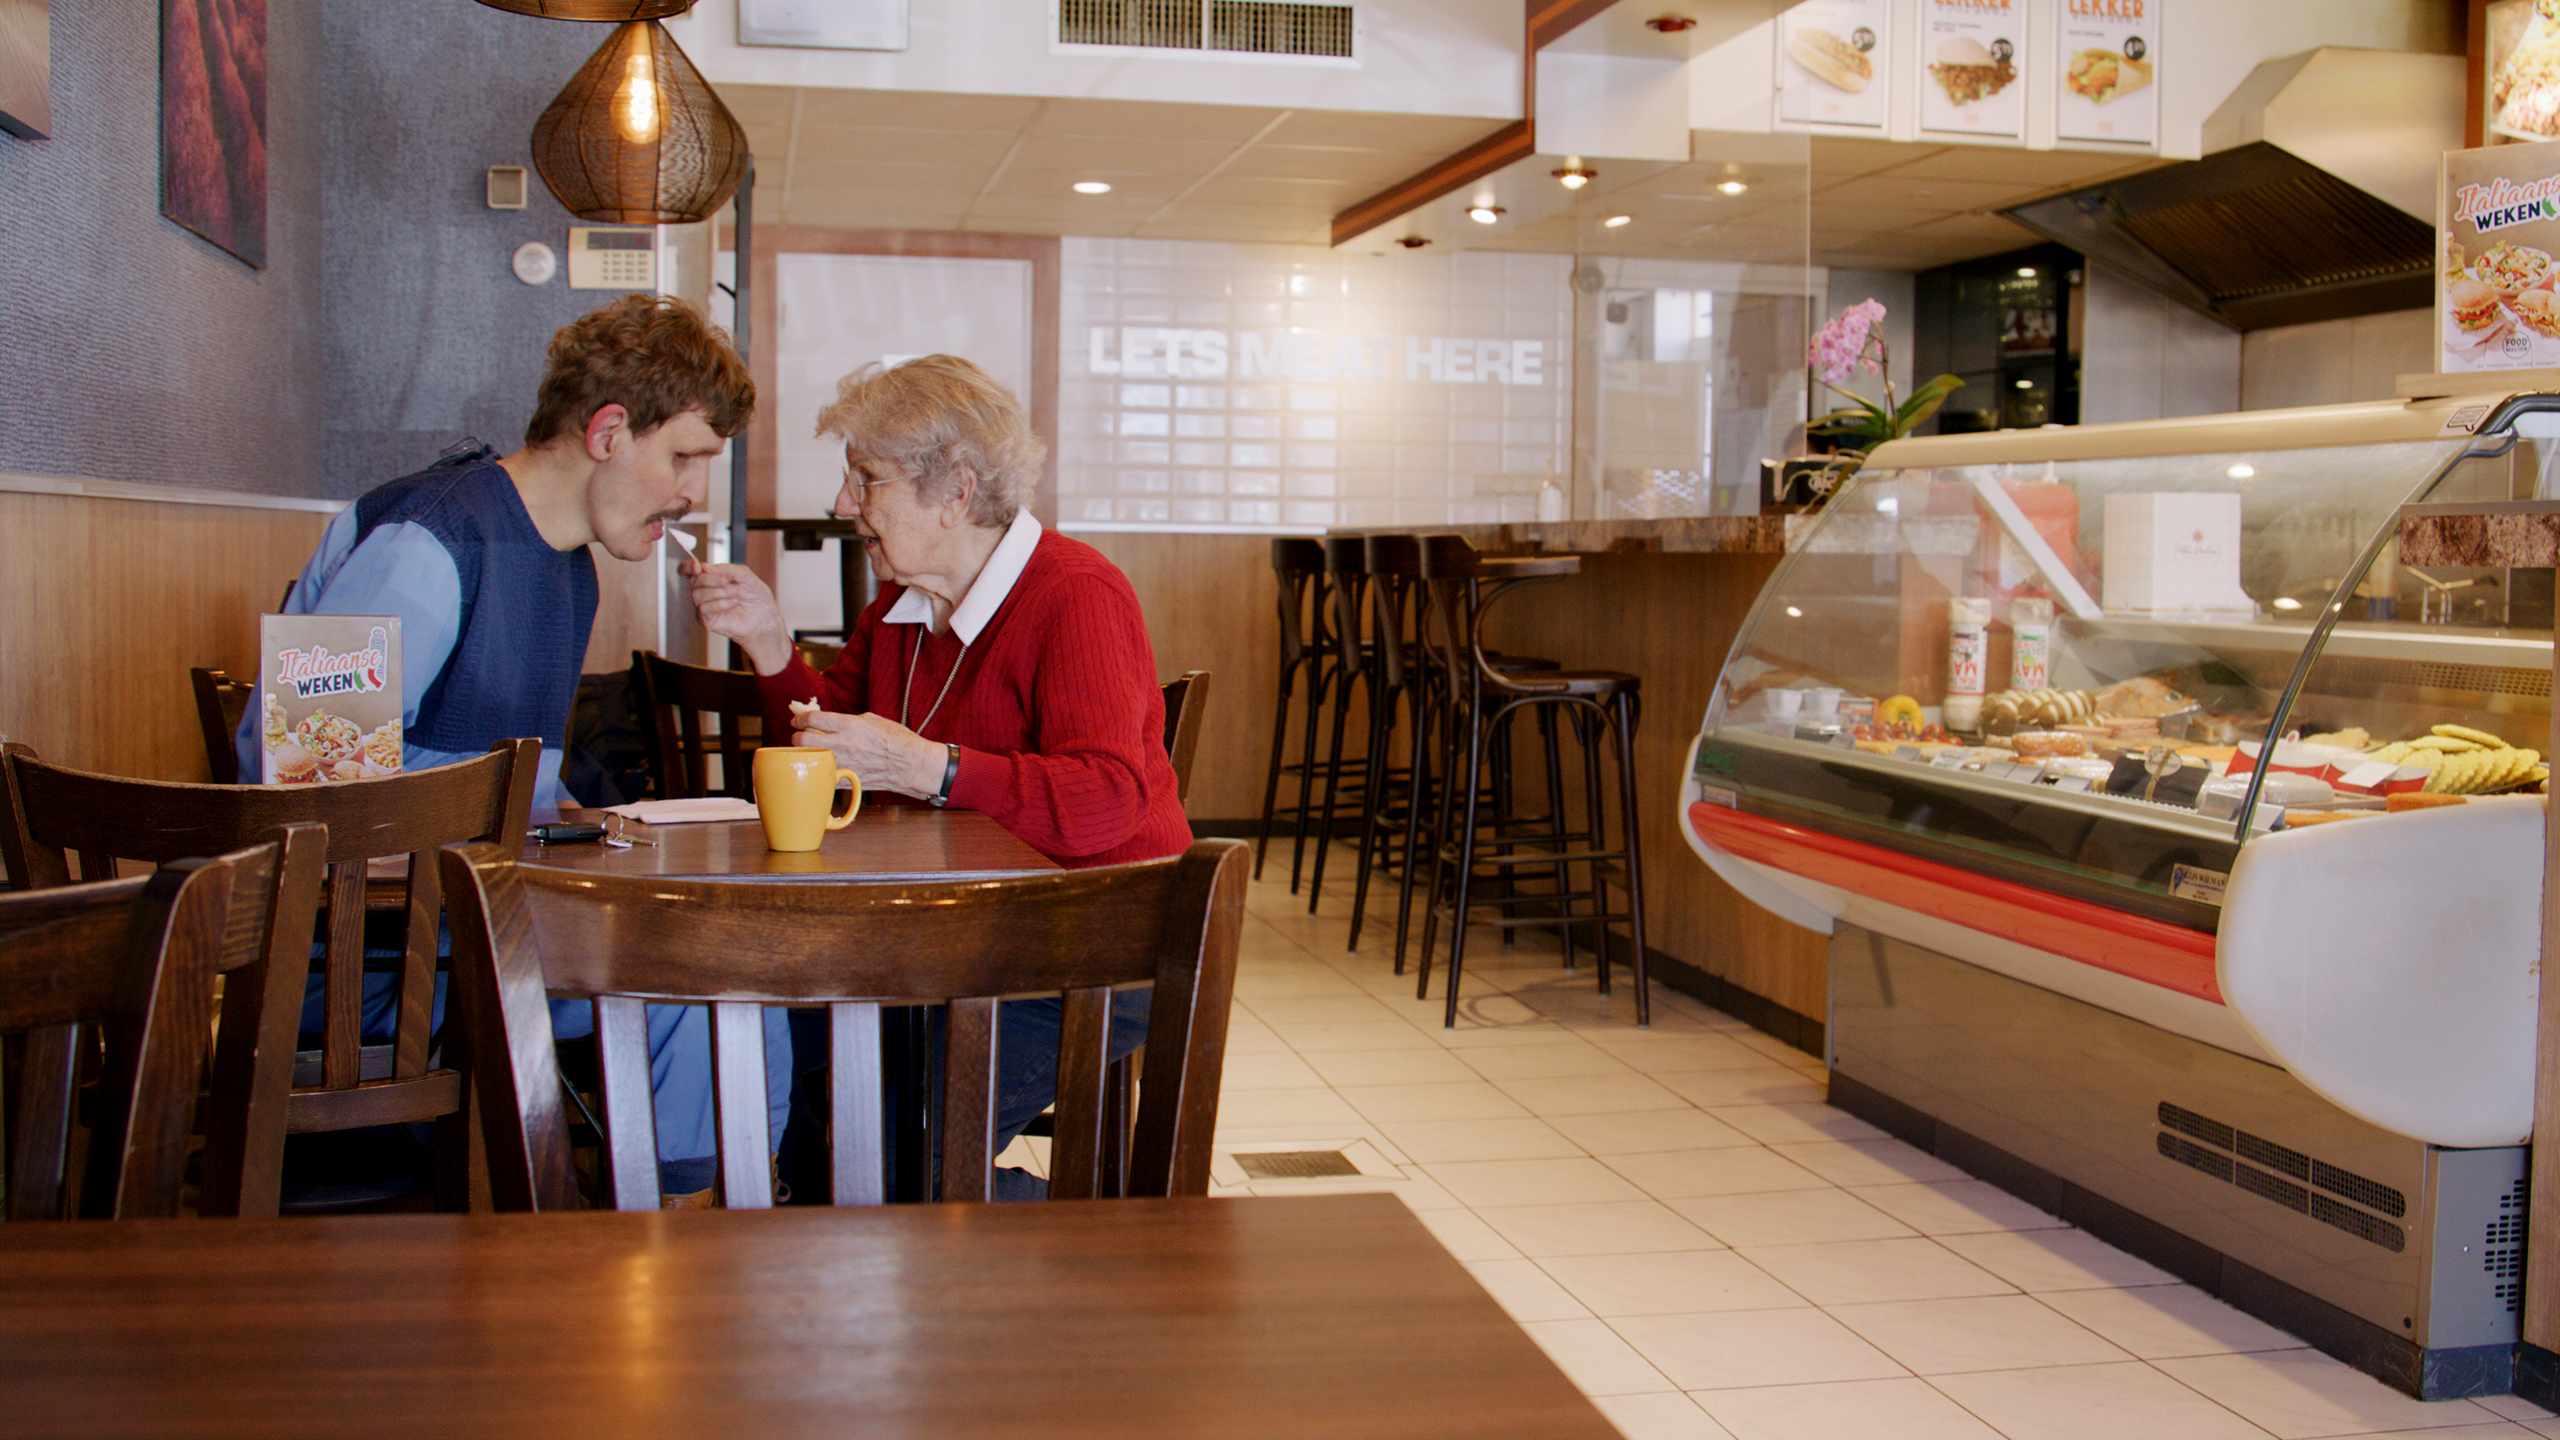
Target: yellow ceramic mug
<point>795,795</point>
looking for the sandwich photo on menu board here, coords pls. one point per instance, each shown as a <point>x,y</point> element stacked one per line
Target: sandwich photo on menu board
<point>329,698</point>
<point>2495,286</point>
<point>1830,65</point>
<point>2108,58</point>
<point>1969,71</point>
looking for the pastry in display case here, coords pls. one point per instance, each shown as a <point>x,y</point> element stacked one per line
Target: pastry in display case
<point>2179,846</point>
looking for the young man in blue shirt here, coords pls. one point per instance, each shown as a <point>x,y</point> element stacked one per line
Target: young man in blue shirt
<point>484,559</point>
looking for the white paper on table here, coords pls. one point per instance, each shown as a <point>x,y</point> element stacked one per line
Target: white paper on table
<point>684,812</point>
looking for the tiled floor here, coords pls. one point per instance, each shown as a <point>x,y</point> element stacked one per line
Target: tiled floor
<point>1709,1250</point>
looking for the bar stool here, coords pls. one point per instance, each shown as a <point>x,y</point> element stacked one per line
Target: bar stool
<point>1477,843</point>
<point>1352,665</point>
<point>1305,635</point>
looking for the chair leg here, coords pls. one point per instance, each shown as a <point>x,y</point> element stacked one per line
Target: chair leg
<point>1271,782</point>
<point>1556,819</point>
<point>1464,879</point>
<point>1333,779</point>
<point>1419,792</point>
<point>1625,727</point>
<point>1320,680</point>
<point>1373,806</point>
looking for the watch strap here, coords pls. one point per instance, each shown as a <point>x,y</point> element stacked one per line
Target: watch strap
<point>950,776</point>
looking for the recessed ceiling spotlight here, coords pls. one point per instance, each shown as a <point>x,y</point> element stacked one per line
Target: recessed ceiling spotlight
<point>2026,384</point>
<point>1093,187</point>
<point>1670,24</point>
<point>1413,242</point>
<point>1731,187</point>
<point>2241,471</point>
<point>2026,272</point>
<point>1574,177</point>
<point>1484,214</point>
<point>1614,221</point>
<point>2286,602</point>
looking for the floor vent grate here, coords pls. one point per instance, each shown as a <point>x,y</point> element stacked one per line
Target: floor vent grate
<point>1295,1164</point>
<point>2275,1173</point>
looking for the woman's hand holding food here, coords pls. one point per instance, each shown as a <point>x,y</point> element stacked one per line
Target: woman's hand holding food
<point>733,602</point>
<point>886,754</point>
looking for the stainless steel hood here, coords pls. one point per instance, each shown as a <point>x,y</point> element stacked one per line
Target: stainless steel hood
<point>2316,200</point>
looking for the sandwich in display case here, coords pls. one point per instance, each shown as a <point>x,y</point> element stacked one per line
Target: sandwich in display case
<point>2180,848</point>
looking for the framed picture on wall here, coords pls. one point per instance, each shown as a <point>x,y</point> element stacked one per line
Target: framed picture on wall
<point>213,121</point>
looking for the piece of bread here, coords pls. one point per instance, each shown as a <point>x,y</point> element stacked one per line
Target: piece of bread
<point>1833,60</point>
<point>2419,800</point>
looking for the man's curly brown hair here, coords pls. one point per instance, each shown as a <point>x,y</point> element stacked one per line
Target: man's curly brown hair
<point>653,355</point>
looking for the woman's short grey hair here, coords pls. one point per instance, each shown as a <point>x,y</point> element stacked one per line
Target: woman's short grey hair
<point>940,417</point>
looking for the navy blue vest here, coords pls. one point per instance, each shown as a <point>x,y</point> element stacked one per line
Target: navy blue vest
<point>526,608</point>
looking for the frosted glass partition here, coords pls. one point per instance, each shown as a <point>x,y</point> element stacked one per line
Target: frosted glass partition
<point>1219,387</point>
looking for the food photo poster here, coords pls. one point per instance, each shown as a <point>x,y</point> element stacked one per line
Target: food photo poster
<point>2498,211</point>
<point>1969,72</point>
<point>2520,96</point>
<point>2107,53</point>
<point>329,698</point>
<point>1831,63</point>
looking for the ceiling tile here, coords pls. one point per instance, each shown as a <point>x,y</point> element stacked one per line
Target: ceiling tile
<point>1258,190</point>
<point>1312,162</point>
<point>1128,187</point>
<point>758,104</point>
<point>819,172</point>
<point>2022,168</point>
<point>1160,155</point>
<point>1840,156</point>
<point>1438,134</point>
<point>1923,193</point>
<point>980,148</point>
<point>1140,119</point>
<point>915,110</point>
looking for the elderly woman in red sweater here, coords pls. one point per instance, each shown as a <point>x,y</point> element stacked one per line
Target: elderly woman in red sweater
<point>1002,668</point>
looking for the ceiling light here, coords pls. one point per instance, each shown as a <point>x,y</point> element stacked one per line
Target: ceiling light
<point>1731,187</point>
<point>1614,221</point>
<point>637,137</point>
<point>1484,214</point>
<point>1794,613</point>
<point>2026,272</point>
<point>1574,177</point>
<point>2241,471</point>
<point>1670,24</point>
<point>1093,187</point>
<point>2026,384</point>
<point>1414,242</point>
<point>2287,602</point>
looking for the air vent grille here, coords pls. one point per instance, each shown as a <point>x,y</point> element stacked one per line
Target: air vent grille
<point>2261,1167</point>
<point>1295,1164</point>
<point>2502,1247</point>
<point>1248,27</point>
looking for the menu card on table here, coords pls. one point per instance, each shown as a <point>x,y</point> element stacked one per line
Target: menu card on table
<point>328,697</point>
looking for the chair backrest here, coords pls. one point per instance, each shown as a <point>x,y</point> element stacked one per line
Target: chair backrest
<point>678,696</point>
<point>220,702</point>
<point>1395,580</point>
<point>520,931</point>
<point>1186,700</point>
<point>1298,564</point>
<point>134,959</point>
<point>1346,566</point>
<point>260,1076</point>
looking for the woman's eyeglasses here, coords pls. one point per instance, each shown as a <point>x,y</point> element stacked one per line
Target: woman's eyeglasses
<point>861,488</point>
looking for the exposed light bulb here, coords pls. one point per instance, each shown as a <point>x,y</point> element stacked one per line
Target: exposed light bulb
<point>1731,187</point>
<point>1614,221</point>
<point>635,105</point>
<point>1093,187</point>
<point>1484,214</point>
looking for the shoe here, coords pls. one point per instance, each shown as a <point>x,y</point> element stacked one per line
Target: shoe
<point>698,1200</point>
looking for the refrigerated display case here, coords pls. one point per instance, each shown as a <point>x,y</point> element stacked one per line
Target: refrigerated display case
<point>2121,765</point>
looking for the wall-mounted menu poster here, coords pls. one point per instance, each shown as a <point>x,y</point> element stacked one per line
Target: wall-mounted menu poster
<point>2498,211</point>
<point>329,697</point>
<point>1832,63</point>
<point>2520,99</point>
<point>1968,58</point>
<point>2107,53</point>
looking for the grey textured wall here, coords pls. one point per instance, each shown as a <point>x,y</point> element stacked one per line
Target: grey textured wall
<point>429,335</point>
<point>130,348</point>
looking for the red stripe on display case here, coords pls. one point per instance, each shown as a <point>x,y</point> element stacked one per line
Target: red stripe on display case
<point>2169,956</point>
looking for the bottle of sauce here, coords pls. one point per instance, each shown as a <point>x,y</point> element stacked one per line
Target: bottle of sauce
<point>2030,643</point>
<point>1968,655</point>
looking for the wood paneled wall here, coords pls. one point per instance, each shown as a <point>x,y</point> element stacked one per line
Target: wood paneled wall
<point>104,604</point>
<point>1210,603</point>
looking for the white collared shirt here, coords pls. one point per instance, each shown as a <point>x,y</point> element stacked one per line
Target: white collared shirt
<point>986,593</point>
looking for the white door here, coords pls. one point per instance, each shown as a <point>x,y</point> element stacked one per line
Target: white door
<point>838,313</point>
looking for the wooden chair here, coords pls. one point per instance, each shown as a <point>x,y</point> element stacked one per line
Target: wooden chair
<point>678,696</point>
<point>521,930</point>
<point>220,702</point>
<point>135,958</point>
<point>262,1081</point>
<point>1186,701</point>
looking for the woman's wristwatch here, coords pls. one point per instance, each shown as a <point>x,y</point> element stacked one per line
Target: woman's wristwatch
<point>950,773</point>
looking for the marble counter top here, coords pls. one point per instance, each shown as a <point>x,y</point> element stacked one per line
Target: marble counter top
<point>2512,534</point>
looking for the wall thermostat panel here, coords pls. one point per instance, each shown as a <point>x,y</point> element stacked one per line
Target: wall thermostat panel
<point>612,259</point>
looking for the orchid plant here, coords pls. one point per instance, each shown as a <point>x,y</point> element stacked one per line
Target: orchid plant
<point>1855,341</point>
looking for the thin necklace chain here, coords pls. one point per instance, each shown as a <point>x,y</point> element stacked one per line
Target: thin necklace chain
<point>907,694</point>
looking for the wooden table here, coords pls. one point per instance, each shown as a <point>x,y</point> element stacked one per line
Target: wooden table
<point>1305,1315</point>
<point>888,843</point>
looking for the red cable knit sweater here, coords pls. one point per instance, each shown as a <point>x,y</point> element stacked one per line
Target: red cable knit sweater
<point>1056,709</point>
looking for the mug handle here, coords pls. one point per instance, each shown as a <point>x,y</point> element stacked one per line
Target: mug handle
<point>838,822</point>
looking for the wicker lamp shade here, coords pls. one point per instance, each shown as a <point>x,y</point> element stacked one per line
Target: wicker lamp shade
<point>615,11</point>
<point>638,138</point>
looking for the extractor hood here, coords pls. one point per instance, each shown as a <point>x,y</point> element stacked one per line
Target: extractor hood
<point>2316,200</point>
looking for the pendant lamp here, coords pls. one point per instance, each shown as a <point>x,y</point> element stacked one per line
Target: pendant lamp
<point>615,11</point>
<point>637,137</point>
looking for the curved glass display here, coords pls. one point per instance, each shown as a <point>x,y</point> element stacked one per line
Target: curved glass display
<point>2067,672</point>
